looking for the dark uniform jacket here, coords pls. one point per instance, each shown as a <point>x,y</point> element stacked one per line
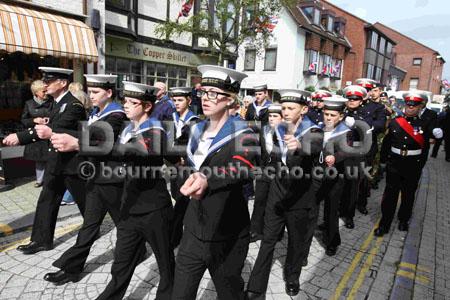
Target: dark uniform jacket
<point>335,145</point>
<point>222,213</point>
<point>141,151</point>
<point>293,191</point>
<point>114,117</point>
<point>37,151</point>
<point>316,115</point>
<point>164,109</point>
<point>64,118</point>
<point>269,151</point>
<point>258,114</point>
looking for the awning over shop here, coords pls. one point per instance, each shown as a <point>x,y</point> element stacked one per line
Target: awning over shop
<point>32,31</point>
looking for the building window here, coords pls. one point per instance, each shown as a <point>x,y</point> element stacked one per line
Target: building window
<point>316,16</point>
<point>336,68</point>
<point>339,26</point>
<point>369,71</point>
<point>250,59</point>
<point>123,4</point>
<point>330,24</point>
<point>309,12</point>
<point>373,41</point>
<point>270,61</point>
<point>382,47</point>
<point>126,69</point>
<point>378,72</point>
<point>311,62</point>
<point>389,50</point>
<point>413,83</point>
<point>325,65</point>
<point>417,61</point>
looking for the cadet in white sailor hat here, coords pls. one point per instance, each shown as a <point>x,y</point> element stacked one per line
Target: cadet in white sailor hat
<point>217,212</point>
<point>257,111</point>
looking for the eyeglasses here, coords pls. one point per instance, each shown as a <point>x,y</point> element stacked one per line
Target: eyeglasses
<point>212,95</point>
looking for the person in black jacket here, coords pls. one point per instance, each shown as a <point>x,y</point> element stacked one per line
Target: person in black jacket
<point>146,212</point>
<point>446,130</point>
<point>257,111</point>
<point>292,201</point>
<point>183,119</point>
<point>62,168</point>
<point>103,193</point>
<point>36,111</point>
<point>216,224</point>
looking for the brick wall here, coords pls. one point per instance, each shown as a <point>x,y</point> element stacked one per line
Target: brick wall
<point>312,42</point>
<point>429,72</point>
<point>355,33</point>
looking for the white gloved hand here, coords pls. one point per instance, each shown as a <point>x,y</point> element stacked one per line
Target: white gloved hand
<point>349,121</point>
<point>438,133</point>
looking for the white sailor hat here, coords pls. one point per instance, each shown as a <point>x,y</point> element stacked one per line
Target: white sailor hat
<point>318,95</point>
<point>51,73</point>
<point>334,102</point>
<point>260,88</point>
<point>355,92</point>
<point>222,78</point>
<point>295,96</point>
<point>100,80</point>
<point>180,91</point>
<point>274,109</point>
<point>414,98</point>
<point>139,91</point>
<point>367,83</point>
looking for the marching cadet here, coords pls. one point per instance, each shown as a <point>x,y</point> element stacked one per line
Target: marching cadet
<point>446,129</point>
<point>267,158</point>
<point>216,224</point>
<point>315,113</point>
<point>257,111</point>
<point>183,118</point>
<point>354,111</point>
<point>374,113</point>
<point>291,202</point>
<point>337,135</point>
<point>103,194</point>
<point>403,153</point>
<point>146,212</point>
<point>431,119</point>
<point>62,168</point>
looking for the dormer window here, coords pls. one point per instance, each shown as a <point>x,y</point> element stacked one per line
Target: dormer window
<point>327,20</point>
<point>312,13</point>
<point>339,26</point>
<point>316,16</point>
<point>330,24</point>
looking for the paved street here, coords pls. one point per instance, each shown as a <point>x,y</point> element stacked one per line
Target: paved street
<point>397,266</point>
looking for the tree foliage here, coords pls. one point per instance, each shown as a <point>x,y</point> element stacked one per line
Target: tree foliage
<point>227,24</point>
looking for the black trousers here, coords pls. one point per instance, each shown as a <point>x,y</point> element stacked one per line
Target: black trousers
<point>447,145</point>
<point>100,199</point>
<point>352,183</point>
<point>331,192</point>
<point>259,206</point>
<point>300,224</point>
<point>402,175</point>
<point>436,147</point>
<point>49,201</point>
<point>223,259</point>
<point>153,227</point>
<point>179,210</point>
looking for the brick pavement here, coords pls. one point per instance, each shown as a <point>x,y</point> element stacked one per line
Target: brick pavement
<point>365,267</point>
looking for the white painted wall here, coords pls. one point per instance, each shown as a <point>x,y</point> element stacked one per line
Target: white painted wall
<point>290,42</point>
<point>153,8</point>
<point>70,6</point>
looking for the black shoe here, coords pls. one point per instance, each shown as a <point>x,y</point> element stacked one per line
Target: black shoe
<point>331,250</point>
<point>380,231</point>
<point>34,247</point>
<point>349,223</point>
<point>322,226</point>
<point>61,277</point>
<point>292,288</point>
<point>403,226</point>
<point>249,295</point>
<point>254,236</point>
<point>305,262</point>
<point>447,159</point>
<point>38,184</point>
<point>363,210</point>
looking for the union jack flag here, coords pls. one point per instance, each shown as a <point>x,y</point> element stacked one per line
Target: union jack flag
<point>186,9</point>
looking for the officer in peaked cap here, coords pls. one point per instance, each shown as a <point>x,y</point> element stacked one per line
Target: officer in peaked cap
<point>403,153</point>
<point>62,168</point>
<point>103,194</point>
<point>216,223</point>
<point>315,113</point>
<point>257,111</point>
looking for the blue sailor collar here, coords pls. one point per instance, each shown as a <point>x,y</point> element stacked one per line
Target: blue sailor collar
<point>128,133</point>
<point>260,108</point>
<point>281,130</point>
<point>188,117</point>
<point>110,108</point>
<point>232,128</point>
<point>340,129</point>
